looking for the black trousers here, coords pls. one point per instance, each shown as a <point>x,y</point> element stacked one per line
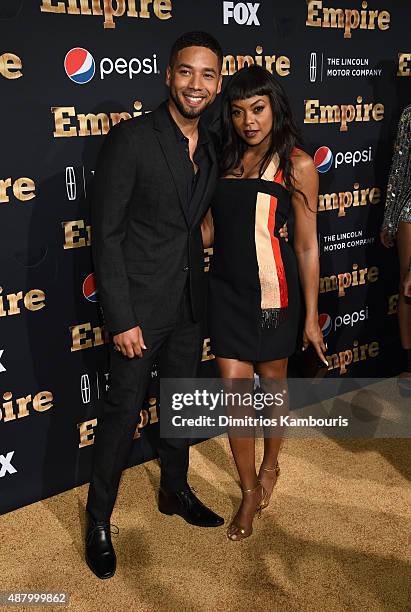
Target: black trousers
<point>177,349</point>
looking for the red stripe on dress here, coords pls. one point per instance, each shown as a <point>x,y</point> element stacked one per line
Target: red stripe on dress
<point>282,280</point>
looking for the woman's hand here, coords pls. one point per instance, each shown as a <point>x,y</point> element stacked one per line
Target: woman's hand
<point>313,335</point>
<point>284,232</point>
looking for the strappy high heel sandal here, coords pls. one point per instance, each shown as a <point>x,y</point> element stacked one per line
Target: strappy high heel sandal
<point>275,470</point>
<point>242,532</point>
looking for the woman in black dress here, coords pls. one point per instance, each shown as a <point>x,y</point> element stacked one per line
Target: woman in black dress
<point>254,298</point>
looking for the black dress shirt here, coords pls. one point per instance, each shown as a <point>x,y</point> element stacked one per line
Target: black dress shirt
<point>195,181</point>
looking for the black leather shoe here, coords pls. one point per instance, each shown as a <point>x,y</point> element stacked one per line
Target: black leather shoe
<point>189,507</point>
<point>100,555</point>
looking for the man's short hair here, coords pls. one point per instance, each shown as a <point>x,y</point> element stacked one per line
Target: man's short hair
<point>196,39</point>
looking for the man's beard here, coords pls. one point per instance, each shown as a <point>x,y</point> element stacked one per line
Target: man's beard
<point>187,114</point>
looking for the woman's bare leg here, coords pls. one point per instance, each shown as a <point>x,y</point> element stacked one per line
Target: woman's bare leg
<point>273,375</point>
<point>242,446</point>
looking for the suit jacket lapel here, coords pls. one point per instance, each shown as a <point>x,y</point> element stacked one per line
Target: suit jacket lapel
<point>210,186</point>
<point>167,140</point>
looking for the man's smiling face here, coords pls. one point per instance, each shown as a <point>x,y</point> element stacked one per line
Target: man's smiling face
<point>194,80</point>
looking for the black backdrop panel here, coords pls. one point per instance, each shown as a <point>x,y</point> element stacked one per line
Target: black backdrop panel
<point>68,71</point>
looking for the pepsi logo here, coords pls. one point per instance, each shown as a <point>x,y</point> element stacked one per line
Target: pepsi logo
<point>325,323</point>
<point>79,65</point>
<point>89,288</point>
<point>323,159</point>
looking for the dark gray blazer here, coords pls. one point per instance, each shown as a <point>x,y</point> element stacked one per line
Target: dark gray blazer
<point>143,245</point>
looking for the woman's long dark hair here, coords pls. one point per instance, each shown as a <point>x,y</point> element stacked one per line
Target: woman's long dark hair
<point>247,83</point>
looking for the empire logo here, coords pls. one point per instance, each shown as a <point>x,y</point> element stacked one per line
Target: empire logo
<point>12,409</point>
<point>84,336</point>
<point>148,416</point>
<point>109,9</point>
<point>90,124</point>
<point>10,66</point>
<point>279,64</point>
<point>23,189</point>
<point>404,65</point>
<point>345,280</point>
<point>341,360</point>
<point>346,19</point>
<point>344,200</point>
<point>344,113</point>
<point>77,234</point>
<point>32,300</point>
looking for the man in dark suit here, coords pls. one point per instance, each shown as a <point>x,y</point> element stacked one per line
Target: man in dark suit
<point>154,180</point>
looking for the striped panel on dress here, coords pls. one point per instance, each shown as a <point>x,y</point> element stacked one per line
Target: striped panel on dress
<point>273,282</point>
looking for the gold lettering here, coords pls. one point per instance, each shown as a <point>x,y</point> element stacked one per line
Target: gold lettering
<point>207,256</point>
<point>328,201</point>
<point>207,354</point>
<point>328,283</point>
<point>80,341</point>
<point>373,274</point>
<point>283,65</point>
<point>117,117</point>
<point>378,112</point>
<point>99,124</point>
<point>24,189</point>
<point>330,114</point>
<point>43,401</point>
<point>404,59</point>
<point>333,18</point>
<point>375,195</point>
<point>8,407</point>
<point>48,7</point>
<point>162,9</point>
<point>22,406</point>
<point>110,12</point>
<point>72,236</point>
<point>313,19</point>
<point>86,431</point>
<point>345,19</point>
<point>61,119</point>
<point>310,108</point>
<point>4,185</point>
<point>13,300</point>
<point>34,299</point>
<point>10,66</point>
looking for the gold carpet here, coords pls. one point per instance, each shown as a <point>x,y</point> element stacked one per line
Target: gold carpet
<point>333,538</point>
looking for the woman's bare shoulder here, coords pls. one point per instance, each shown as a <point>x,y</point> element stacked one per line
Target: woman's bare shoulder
<point>302,162</point>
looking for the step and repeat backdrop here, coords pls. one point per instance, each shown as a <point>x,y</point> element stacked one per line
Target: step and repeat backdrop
<point>69,70</point>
